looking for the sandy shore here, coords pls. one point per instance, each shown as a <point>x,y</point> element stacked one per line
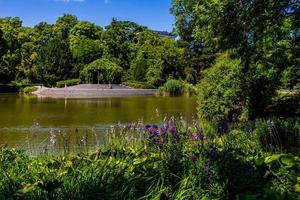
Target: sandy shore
<point>92,91</point>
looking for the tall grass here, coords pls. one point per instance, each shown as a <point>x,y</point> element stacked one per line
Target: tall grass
<point>176,88</point>
<point>173,160</point>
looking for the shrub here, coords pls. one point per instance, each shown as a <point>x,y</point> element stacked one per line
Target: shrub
<point>189,89</point>
<point>220,93</point>
<point>173,87</point>
<point>176,87</point>
<point>70,82</point>
<point>21,83</point>
<point>29,89</point>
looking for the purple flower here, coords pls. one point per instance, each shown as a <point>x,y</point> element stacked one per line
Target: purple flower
<point>152,129</point>
<point>172,129</point>
<point>195,137</point>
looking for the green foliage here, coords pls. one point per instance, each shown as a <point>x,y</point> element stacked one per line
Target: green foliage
<point>118,37</point>
<point>291,78</point>
<point>29,89</point>
<point>11,38</point>
<point>177,162</point>
<point>50,53</point>
<point>102,70</point>
<point>268,57</point>
<point>156,59</point>
<point>220,92</point>
<point>70,82</point>
<point>279,133</point>
<point>64,25</point>
<point>176,87</point>
<point>54,61</point>
<point>85,42</point>
<point>173,87</point>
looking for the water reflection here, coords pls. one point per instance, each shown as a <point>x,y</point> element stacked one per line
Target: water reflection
<point>19,113</point>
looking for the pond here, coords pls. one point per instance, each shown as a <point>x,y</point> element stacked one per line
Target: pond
<point>28,120</point>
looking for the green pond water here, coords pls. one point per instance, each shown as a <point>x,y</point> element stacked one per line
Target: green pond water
<point>28,120</point>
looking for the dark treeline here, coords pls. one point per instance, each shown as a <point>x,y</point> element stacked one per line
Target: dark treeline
<point>68,49</point>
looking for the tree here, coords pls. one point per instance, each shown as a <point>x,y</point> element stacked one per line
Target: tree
<point>173,59</point>
<point>12,39</point>
<point>3,50</point>
<point>118,37</point>
<point>262,34</point>
<point>221,92</point>
<point>55,61</point>
<point>102,71</point>
<point>147,64</point>
<point>64,25</point>
<point>87,30</point>
<point>85,43</point>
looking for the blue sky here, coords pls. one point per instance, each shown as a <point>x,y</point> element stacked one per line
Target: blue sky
<point>152,13</point>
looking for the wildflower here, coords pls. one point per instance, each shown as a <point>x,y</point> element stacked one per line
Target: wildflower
<point>152,129</point>
<point>83,140</point>
<point>195,137</point>
<point>157,112</point>
<point>36,124</point>
<point>53,139</point>
<point>207,165</point>
<point>165,118</point>
<point>172,129</point>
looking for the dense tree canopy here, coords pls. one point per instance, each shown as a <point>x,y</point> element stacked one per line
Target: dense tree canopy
<point>48,53</point>
<point>264,36</point>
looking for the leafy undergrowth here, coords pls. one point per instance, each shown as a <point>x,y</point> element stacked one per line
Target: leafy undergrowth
<point>174,161</point>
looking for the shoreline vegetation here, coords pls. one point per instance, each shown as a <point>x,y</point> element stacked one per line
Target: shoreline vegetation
<point>176,159</point>
<point>240,58</point>
<point>74,89</point>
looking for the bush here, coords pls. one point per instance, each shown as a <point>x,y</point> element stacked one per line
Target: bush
<point>138,85</point>
<point>70,82</point>
<point>173,87</point>
<point>189,89</point>
<point>177,87</point>
<point>220,93</point>
<point>29,89</point>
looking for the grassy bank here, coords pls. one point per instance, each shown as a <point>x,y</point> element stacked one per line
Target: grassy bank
<point>175,160</point>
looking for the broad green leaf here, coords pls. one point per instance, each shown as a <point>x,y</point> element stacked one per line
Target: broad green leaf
<point>288,161</point>
<point>274,157</point>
